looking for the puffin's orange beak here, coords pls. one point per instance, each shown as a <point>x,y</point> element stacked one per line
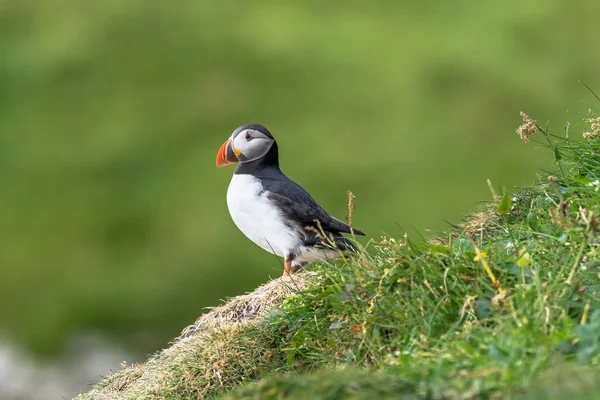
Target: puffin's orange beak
<point>226,155</point>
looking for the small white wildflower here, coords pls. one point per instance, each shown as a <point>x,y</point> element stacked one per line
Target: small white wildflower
<point>335,325</point>
<point>594,126</point>
<point>595,184</point>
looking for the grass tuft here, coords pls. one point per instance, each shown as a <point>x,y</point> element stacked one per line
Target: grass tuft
<point>500,307</point>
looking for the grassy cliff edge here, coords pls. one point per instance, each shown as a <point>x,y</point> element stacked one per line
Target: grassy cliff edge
<point>506,305</point>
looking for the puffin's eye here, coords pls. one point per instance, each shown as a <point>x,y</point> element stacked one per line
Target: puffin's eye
<point>248,137</point>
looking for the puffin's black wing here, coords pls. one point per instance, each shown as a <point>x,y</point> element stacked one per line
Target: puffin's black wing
<point>298,206</point>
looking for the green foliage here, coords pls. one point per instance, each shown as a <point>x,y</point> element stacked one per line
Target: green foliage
<point>505,205</point>
<point>348,383</point>
<point>560,383</point>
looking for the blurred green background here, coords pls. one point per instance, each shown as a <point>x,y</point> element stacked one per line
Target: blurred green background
<point>112,213</point>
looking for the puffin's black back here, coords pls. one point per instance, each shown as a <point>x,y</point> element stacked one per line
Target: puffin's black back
<point>296,204</point>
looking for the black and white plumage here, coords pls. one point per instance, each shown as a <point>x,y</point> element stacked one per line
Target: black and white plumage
<point>272,210</point>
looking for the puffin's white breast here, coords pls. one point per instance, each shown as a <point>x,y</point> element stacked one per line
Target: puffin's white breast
<point>258,218</point>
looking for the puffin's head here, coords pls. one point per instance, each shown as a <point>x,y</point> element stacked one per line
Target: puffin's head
<point>247,143</point>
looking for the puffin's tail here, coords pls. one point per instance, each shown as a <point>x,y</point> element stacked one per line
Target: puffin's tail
<point>339,243</point>
<point>345,244</point>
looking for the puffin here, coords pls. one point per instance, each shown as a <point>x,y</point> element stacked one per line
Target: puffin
<point>272,210</point>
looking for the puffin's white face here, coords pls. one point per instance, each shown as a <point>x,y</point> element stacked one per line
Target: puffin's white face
<point>244,145</point>
<point>250,144</point>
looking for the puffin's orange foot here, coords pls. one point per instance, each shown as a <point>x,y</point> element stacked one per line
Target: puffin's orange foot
<point>290,269</point>
<point>287,268</point>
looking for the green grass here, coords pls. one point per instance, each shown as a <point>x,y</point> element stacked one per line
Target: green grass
<point>505,306</point>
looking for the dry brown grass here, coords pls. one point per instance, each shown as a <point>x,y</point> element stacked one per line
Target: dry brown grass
<point>250,306</point>
<point>224,347</point>
<point>479,222</point>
